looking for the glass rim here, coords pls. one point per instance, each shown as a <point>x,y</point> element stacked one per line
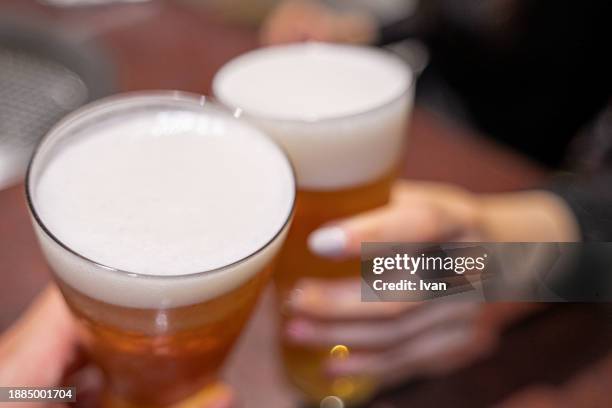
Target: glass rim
<point>86,111</point>
<point>389,55</point>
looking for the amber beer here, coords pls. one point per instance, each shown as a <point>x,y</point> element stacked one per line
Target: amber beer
<point>160,214</point>
<point>341,113</point>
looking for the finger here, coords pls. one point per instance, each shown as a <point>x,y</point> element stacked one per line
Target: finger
<point>392,223</point>
<point>296,21</point>
<point>89,381</point>
<point>356,28</point>
<point>403,361</point>
<point>286,34</point>
<point>443,349</point>
<point>340,300</point>
<point>278,28</point>
<point>277,31</point>
<point>22,352</point>
<point>454,353</point>
<point>378,334</point>
<point>417,212</point>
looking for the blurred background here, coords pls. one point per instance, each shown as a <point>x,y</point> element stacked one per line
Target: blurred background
<point>509,94</point>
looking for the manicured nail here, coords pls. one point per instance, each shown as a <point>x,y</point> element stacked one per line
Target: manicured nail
<point>297,330</point>
<point>328,242</point>
<point>294,299</point>
<point>292,302</point>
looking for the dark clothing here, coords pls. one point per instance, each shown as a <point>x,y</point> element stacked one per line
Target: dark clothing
<point>534,74</point>
<point>589,194</point>
<point>590,199</point>
<point>530,73</point>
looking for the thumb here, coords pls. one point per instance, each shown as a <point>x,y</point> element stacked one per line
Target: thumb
<point>22,353</point>
<point>419,222</point>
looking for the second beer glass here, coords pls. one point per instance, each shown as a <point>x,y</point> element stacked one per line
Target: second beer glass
<point>341,113</point>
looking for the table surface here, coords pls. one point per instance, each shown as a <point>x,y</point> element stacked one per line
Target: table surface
<point>170,46</point>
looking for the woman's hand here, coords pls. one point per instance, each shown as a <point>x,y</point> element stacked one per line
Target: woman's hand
<point>437,212</point>
<point>392,341</point>
<point>396,341</point>
<point>42,350</point>
<point>308,20</point>
<point>45,336</point>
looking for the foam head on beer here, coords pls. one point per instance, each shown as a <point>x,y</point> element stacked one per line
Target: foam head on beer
<point>340,111</point>
<point>168,195</point>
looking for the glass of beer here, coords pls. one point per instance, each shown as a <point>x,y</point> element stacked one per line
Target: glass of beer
<point>160,215</point>
<point>341,113</point>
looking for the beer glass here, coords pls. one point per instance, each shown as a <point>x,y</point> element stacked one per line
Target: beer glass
<point>341,113</point>
<point>160,214</point>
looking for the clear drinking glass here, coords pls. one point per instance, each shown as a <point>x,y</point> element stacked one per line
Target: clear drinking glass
<point>345,164</point>
<point>158,339</point>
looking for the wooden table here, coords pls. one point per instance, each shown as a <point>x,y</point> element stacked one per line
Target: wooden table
<point>167,45</point>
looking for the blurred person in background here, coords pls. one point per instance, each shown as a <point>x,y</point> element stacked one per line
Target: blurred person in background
<point>529,73</point>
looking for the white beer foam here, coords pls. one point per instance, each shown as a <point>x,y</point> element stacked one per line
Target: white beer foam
<point>163,193</point>
<point>340,111</point>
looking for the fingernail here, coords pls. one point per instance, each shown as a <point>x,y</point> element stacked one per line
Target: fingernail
<point>295,296</point>
<point>329,242</point>
<point>293,301</point>
<point>297,330</point>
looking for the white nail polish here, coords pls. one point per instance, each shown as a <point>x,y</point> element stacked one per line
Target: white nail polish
<point>328,242</point>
